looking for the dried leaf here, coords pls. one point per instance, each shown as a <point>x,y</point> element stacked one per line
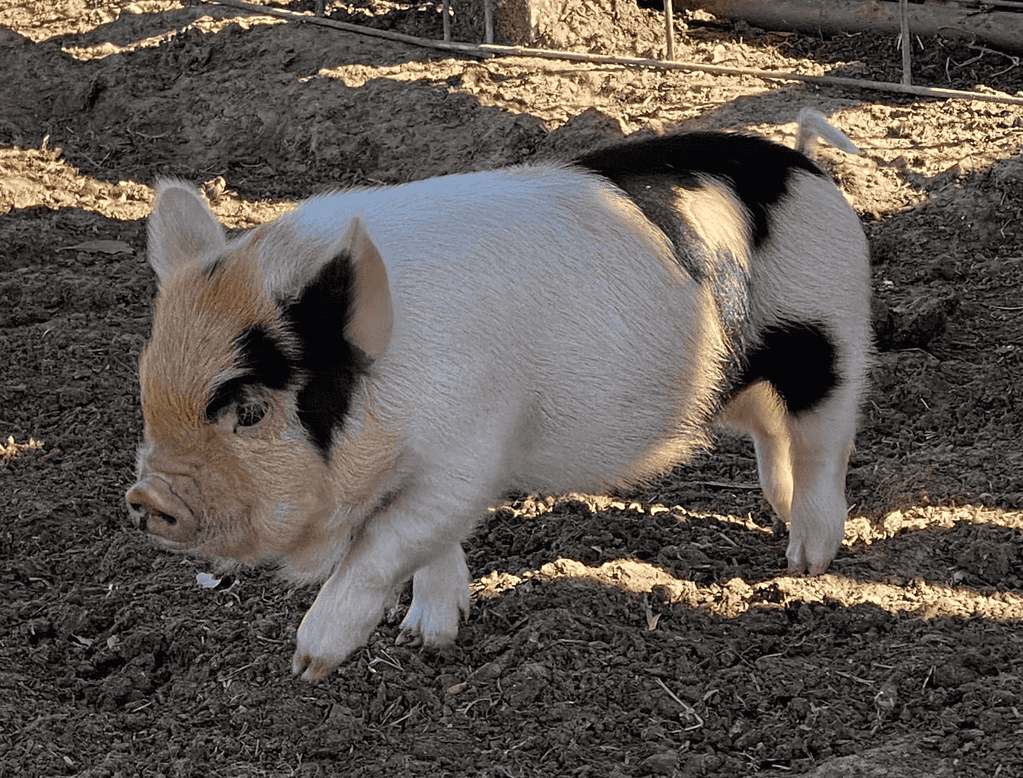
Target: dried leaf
<point>103,246</point>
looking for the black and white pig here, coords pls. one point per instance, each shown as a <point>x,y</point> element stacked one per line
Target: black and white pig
<point>345,390</point>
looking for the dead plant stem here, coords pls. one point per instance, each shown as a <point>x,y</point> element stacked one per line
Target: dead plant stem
<point>487,50</point>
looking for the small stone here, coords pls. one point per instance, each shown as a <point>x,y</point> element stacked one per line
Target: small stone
<point>659,764</point>
<point>488,672</point>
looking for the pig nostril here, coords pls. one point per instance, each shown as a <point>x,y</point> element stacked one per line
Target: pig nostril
<point>143,514</point>
<point>139,515</point>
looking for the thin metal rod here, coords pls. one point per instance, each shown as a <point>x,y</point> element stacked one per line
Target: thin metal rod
<point>492,50</point>
<point>669,26</point>
<point>907,43</point>
<point>766,75</point>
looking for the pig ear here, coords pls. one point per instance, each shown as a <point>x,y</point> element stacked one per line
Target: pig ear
<point>181,229</point>
<point>372,317</point>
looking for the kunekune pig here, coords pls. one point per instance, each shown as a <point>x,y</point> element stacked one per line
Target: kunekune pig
<point>345,390</point>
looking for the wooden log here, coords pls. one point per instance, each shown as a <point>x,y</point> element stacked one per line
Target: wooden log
<point>1002,29</point>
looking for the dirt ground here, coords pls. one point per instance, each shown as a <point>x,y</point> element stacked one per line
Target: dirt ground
<point>649,633</point>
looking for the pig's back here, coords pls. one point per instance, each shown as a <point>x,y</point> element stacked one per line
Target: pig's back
<point>541,302</point>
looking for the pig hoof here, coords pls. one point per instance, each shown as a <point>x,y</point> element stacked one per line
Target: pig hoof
<point>819,568</point>
<point>311,668</point>
<point>432,625</point>
<point>408,637</point>
<point>809,568</point>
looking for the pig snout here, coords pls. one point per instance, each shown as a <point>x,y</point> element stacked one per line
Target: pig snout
<point>151,509</point>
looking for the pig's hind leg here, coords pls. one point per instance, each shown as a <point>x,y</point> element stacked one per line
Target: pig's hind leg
<point>822,440</point>
<point>440,594</point>
<point>760,412</point>
<point>800,410</point>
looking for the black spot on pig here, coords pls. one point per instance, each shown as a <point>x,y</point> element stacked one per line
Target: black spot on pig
<point>264,365</point>
<point>213,267</point>
<point>798,359</point>
<point>262,355</point>
<point>328,365</point>
<point>756,169</point>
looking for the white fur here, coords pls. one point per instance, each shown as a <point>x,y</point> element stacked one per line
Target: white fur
<point>812,125</point>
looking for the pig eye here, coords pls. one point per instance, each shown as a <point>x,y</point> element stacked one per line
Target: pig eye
<point>251,412</point>
<point>247,403</point>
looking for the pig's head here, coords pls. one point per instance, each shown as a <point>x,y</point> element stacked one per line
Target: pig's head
<point>246,390</point>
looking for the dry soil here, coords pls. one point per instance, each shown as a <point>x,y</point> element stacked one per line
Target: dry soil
<point>648,633</point>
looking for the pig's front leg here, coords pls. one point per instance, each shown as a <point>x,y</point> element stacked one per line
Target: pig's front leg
<point>342,618</point>
<point>407,537</point>
<point>440,594</point>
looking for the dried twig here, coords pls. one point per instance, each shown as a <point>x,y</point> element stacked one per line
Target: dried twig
<point>855,83</point>
<point>1014,60</point>
<point>386,659</point>
<point>411,713</point>
<point>651,617</point>
<point>725,485</point>
<point>852,677</point>
<point>490,50</point>
<point>689,709</point>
